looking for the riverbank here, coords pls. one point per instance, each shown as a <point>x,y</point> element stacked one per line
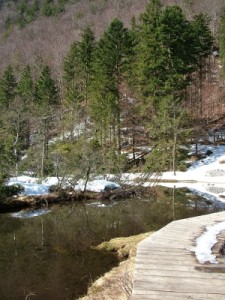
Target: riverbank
<point>205,176</point>
<point>116,284</point>
<point>63,196</point>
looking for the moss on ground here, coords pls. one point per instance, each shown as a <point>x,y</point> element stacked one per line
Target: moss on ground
<point>117,284</point>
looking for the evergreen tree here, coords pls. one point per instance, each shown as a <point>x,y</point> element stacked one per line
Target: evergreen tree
<point>47,8</point>
<point>71,73</point>
<point>110,66</point>
<point>73,92</point>
<point>222,40</point>
<point>77,76</point>
<point>164,62</point>
<point>34,8</point>
<point>47,100</point>
<point>86,48</point>
<point>22,7</point>
<point>7,87</point>
<point>77,69</point>
<point>202,38</point>
<point>25,87</point>
<point>176,37</point>
<point>150,57</point>
<point>202,45</point>
<point>46,92</point>
<point>61,6</point>
<point>25,93</point>
<point>7,157</point>
<point>169,130</point>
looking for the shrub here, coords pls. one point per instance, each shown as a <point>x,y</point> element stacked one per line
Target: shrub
<point>9,191</point>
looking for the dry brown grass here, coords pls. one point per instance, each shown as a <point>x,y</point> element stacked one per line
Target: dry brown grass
<point>116,284</point>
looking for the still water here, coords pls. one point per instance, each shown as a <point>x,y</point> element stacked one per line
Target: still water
<point>47,253</point>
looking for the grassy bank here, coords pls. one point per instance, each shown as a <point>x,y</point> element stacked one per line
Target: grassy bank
<point>116,284</point>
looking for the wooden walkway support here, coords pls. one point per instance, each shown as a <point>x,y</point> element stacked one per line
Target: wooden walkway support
<point>166,269</point>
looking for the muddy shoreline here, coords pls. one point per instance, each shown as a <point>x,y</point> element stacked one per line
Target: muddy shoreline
<point>19,202</point>
<point>117,283</point>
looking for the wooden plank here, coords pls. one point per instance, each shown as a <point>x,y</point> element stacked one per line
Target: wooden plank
<point>163,262</point>
<point>166,269</point>
<point>187,268</point>
<point>165,251</point>
<point>185,273</point>
<point>186,285</point>
<point>158,255</point>
<point>158,295</point>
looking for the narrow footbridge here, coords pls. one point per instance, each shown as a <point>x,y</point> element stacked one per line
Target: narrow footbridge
<point>166,269</point>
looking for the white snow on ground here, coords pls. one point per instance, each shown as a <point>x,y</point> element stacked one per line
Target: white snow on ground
<point>96,185</point>
<point>206,176</point>
<point>51,181</point>
<point>209,177</point>
<point>22,179</point>
<point>206,241</point>
<point>76,132</point>
<point>32,187</point>
<point>35,189</point>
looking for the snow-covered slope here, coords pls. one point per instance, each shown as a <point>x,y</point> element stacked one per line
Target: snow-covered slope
<point>204,176</point>
<point>33,186</point>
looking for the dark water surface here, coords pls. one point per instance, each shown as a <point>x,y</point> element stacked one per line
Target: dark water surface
<point>50,256</point>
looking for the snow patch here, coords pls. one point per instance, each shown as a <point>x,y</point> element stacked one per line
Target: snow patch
<point>206,241</point>
<point>215,173</point>
<point>32,187</point>
<point>97,186</point>
<point>27,214</point>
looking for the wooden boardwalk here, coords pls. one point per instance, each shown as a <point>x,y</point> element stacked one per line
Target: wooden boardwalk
<point>166,270</point>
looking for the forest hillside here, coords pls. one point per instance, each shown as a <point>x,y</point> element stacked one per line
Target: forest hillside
<point>97,87</point>
<point>42,34</point>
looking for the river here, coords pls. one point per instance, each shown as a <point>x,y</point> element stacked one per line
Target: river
<point>47,254</point>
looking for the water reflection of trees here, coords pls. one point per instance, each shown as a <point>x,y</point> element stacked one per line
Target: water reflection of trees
<point>53,258</point>
<point>51,261</point>
<point>126,217</point>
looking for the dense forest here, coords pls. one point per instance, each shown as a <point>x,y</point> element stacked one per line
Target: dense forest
<point>123,95</point>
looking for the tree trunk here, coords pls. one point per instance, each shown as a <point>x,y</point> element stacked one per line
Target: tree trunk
<point>174,152</point>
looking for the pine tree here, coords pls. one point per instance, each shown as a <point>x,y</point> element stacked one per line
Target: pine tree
<point>86,48</point>
<point>169,130</point>
<point>110,66</point>
<point>46,92</point>
<point>71,74</point>
<point>164,63</point>
<point>25,88</point>
<point>203,39</point>
<point>25,93</point>
<point>7,157</point>
<point>7,87</point>
<point>77,69</point>
<point>47,101</point>
<point>47,8</point>
<point>150,57</point>
<point>176,37</point>
<point>76,77</point>
<point>202,46</point>
<point>222,40</point>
